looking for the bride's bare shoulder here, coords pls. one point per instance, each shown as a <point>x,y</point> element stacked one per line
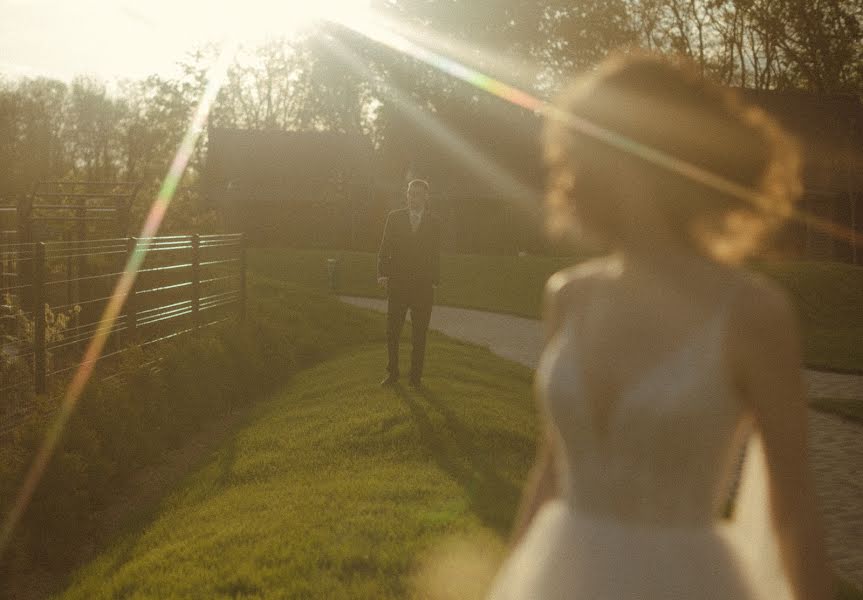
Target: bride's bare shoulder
<point>759,297</point>
<point>571,279</point>
<point>565,289</point>
<point>762,313</point>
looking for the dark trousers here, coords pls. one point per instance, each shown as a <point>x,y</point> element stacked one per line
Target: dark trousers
<point>419,299</point>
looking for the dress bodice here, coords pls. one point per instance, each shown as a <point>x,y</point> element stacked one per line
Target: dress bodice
<point>665,452</point>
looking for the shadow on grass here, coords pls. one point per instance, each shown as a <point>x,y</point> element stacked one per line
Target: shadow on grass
<point>451,445</point>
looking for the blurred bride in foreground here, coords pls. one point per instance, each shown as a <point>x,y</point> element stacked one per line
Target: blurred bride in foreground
<point>664,359</point>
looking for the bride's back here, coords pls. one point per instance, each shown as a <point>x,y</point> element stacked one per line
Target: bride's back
<point>639,387</point>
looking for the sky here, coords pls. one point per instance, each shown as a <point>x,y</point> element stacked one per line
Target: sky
<point>118,39</point>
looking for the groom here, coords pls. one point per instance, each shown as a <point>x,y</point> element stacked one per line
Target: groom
<point>409,267</point>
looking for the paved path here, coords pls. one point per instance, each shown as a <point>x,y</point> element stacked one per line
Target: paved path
<point>837,445</point>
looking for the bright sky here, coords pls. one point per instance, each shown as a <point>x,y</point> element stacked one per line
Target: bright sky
<point>134,38</point>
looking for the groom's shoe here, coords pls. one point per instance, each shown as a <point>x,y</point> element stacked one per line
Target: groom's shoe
<point>416,382</point>
<point>389,380</point>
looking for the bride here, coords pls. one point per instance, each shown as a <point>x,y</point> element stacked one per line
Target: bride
<point>665,360</point>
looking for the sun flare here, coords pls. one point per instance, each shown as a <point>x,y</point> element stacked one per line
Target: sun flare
<point>255,19</point>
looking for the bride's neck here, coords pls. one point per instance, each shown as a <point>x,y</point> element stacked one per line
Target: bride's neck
<point>673,258</point>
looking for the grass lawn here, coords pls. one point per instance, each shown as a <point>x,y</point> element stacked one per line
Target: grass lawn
<point>829,300</point>
<point>505,284</point>
<point>338,488</point>
<point>828,297</point>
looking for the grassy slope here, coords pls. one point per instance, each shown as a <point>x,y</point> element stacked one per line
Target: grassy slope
<point>338,487</point>
<point>828,297</point>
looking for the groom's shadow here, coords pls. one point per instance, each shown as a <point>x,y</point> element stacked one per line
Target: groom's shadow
<point>451,444</point>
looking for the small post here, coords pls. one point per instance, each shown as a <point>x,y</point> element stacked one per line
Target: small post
<point>26,236</point>
<point>333,272</point>
<point>196,281</point>
<point>25,221</point>
<point>40,350</point>
<point>131,301</point>
<point>69,282</point>
<point>243,263</point>
<point>83,267</point>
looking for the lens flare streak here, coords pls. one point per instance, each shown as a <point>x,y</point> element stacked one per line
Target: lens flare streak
<point>481,165</point>
<point>400,43</point>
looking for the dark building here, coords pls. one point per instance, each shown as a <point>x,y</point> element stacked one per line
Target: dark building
<point>323,189</point>
<point>303,189</point>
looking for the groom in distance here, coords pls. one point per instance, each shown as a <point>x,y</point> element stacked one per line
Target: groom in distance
<point>409,268</point>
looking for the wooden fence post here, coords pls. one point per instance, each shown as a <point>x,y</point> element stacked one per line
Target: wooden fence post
<point>131,303</point>
<point>196,281</point>
<point>81,235</point>
<point>26,236</point>
<point>70,293</point>
<point>40,350</point>
<point>243,264</point>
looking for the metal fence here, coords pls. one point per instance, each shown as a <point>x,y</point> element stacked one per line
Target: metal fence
<point>53,296</point>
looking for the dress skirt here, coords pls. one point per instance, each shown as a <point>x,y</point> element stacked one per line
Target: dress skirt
<point>566,554</point>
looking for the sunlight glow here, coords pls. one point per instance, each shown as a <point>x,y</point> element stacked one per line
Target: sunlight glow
<point>127,39</point>
<point>253,20</point>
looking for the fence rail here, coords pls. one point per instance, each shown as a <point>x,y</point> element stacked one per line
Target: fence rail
<point>53,296</point>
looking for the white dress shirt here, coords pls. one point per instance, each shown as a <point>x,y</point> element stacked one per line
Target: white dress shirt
<point>416,219</point>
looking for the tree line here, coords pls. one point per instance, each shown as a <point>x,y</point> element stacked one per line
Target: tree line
<point>337,80</point>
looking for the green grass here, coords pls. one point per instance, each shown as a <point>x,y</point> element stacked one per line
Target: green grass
<point>851,410</point>
<point>505,284</point>
<point>828,296</point>
<point>829,301</point>
<point>338,488</point>
<point>846,591</point>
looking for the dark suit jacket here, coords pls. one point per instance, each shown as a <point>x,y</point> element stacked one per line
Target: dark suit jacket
<point>409,258</point>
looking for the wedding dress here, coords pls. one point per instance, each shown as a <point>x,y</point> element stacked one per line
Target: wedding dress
<point>640,502</point>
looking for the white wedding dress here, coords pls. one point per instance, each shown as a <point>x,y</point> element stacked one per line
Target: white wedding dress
<point>638,512</point>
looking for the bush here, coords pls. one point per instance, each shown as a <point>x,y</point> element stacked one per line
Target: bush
<point>17,333</point>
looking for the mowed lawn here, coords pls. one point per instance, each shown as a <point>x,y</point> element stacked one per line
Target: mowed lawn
<point>341,489</point>
<point>828,296</point>
<point>829,301</point>
<point>505,284</point>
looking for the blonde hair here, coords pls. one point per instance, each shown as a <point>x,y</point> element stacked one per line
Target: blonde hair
<point>647,101</point>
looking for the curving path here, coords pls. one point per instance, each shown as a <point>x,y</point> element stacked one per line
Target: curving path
<point>836,444</point>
